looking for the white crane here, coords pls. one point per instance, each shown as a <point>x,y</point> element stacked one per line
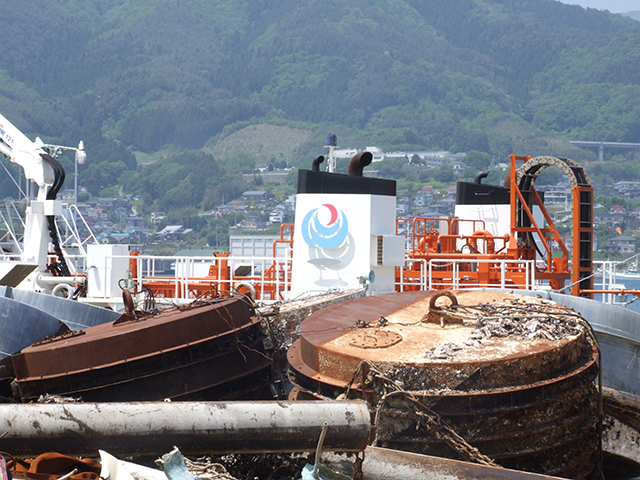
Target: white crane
<point>47,174</point>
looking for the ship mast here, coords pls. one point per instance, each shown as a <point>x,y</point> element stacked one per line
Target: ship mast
<point>332,141</point>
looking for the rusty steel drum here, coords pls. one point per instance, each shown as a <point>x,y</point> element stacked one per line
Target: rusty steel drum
<point>212,350</point>
<point>521,393</point>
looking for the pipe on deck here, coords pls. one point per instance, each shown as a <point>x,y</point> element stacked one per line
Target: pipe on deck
<point>152,428</point>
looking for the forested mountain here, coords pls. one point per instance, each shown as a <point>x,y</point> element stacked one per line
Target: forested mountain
<point>138,77</point>
<point>635,14</point>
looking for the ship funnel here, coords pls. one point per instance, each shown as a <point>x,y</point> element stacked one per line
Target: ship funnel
<point>358,162</point>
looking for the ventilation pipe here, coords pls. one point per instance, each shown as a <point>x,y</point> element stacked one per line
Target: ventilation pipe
<point>358,162</point>
<point>480,176</point>
<point>315,166</point>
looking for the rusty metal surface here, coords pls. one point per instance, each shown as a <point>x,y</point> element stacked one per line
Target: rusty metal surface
<point>621,431</point>
<point>375,339</point>
<point>388,464</point>
<point>527,402</point>
<point>210,351</point>
<point>327,353</point>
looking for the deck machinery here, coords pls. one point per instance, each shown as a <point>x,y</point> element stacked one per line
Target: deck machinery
<point>502,239</point>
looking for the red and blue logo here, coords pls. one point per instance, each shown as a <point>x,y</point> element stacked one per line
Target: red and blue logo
<point>325,227</point>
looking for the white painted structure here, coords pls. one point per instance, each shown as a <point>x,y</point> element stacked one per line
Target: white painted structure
<point>341,238</point>
<point>488,204</point>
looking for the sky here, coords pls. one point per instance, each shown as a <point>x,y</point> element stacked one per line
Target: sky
<point>614,6</point>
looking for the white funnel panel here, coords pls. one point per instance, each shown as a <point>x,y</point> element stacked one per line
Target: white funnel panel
<point>338,219</point>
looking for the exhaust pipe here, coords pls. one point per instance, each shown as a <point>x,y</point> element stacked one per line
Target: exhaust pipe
<point>315,166</point>
<point>480,176</point>
<point>358,162</point>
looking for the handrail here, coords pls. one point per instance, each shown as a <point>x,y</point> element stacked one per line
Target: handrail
<point>74,228</point>
<point>432,273</point>
<point>191,274</point>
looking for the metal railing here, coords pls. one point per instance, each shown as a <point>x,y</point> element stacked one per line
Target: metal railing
<point>190,277</point>
<point>462,273</point>
<point>73,231</point>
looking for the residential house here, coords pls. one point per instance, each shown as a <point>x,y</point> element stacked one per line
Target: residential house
<point>157,217</point>
<point>276,217</point>
<point>291,202</point>
<point>136,222</point>
<point>449,203</point>
<point>403,207</point>
<point>84,210</point>
<point>254,195</point>
<point>425,195</point>
<point>107,204</point>
<point>94,212</point>
<point>458,166</point>
<point>280,213</point>
<point>622,244</point>
<point>628,189</point>
<point>67,195</point>
<point>263,203</point>
<point>618,209</point>
<point>254,222</point>
<point>558,196</point>
<point>440,209</point>
<point>226,209</point>
<point>170,231</point>
<point>121,211</point>
<point>105,226</point>
<point>608,218</point>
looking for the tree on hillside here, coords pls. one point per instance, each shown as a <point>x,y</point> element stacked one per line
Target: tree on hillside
<point>416,160</point>
<point>478,160</point>
<point>444,173</point>
<point>466,75</point>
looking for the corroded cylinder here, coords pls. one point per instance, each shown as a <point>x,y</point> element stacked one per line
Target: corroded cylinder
<point>512,375</point>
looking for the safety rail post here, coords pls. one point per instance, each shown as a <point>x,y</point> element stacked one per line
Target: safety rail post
<point>456,274</point>
<point>262,277</point>
<point>139,270</point>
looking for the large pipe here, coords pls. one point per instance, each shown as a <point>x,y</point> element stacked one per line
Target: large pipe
<point>358,162</point>
<point>153,428</point>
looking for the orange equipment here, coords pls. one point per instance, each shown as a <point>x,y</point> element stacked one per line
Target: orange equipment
<point>512,260</point>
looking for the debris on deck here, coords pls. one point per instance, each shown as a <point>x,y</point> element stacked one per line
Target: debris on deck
<point>458,382</point>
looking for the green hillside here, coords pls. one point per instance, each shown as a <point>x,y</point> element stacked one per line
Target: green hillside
<point>154,77</point>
